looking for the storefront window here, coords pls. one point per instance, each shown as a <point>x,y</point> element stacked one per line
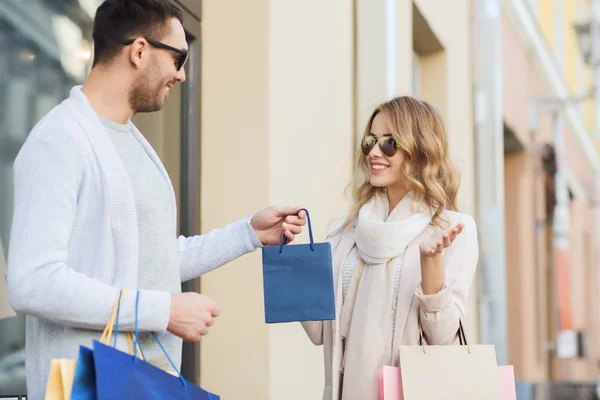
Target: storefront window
<point>46,49</point>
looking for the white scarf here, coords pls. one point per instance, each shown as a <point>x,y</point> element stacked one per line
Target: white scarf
<point>380,237</point>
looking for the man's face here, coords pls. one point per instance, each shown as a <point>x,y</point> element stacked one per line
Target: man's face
<point>151,88</point>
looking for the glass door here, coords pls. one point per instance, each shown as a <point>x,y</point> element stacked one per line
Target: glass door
<point>45,50</point>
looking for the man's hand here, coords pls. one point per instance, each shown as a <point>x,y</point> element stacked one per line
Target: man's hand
<point>191,315</point>
<point>271,223</point>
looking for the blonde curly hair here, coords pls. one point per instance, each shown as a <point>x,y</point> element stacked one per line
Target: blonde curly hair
<point>427,171</point>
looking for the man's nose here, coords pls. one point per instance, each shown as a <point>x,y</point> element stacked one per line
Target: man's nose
<point>180,76</point>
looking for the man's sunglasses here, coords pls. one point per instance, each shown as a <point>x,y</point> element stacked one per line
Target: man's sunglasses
<point>387,144</point>
<point>182,55</point>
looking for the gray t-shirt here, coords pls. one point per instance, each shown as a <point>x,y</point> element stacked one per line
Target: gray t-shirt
<point>158,254</point>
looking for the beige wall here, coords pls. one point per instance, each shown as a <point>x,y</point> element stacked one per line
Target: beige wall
<point>310,150</point>
<point>447,83</point>
<point>235,183</point>
<point>277,129</point>
<point>451,23</point>
<point>279,82</point>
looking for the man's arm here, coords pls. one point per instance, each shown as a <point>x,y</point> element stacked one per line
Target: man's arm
<point>204,253</point>
<point>40,282</point>
<point>201,254</point>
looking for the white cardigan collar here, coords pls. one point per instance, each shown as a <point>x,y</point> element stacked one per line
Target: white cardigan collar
<point>120,191</point>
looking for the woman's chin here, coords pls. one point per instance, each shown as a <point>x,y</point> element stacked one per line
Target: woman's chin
<point>379,182</point>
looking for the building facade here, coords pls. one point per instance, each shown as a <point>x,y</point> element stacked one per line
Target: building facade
<point>550,166</point>
<point>272,112</point>
<point>45,49</point>
<point>291,84</point>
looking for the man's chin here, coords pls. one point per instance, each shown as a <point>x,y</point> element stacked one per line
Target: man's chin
<point>149,109</point>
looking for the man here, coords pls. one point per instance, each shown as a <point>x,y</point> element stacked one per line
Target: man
<point>95,210</point>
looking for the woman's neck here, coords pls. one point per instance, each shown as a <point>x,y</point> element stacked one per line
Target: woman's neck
<point>395,196</point>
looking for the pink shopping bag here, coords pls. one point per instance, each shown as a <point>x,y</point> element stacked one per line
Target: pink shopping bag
<point>507,382</point>
<point>390,384</point>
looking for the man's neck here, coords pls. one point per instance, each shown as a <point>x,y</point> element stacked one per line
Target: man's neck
<point>108,95</point>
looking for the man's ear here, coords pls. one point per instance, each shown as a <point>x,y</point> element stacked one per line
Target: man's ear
<point>138,52</point>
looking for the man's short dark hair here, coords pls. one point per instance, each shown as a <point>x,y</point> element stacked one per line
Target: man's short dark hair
<point>119,20</point>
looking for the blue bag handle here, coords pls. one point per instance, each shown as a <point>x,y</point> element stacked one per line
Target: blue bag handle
<point>310,232</point>
<point>137,341</point>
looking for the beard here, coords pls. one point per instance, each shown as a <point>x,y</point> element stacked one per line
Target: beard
<point>146,93</point>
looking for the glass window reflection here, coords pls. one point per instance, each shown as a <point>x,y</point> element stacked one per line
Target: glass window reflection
<point>46,49</point>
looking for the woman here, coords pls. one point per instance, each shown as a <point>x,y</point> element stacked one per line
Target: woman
<point>404,259</point>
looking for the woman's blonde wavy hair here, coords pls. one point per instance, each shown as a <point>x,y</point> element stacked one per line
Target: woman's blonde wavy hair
<point>427,170</point>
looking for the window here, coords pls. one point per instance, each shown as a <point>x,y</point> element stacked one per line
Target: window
<point>46,50</point>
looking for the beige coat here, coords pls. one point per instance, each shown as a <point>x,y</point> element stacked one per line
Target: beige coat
<point>439,313</point>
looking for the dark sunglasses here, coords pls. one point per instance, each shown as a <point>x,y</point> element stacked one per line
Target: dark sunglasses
<point>387,144</point>
<point>182,55</point>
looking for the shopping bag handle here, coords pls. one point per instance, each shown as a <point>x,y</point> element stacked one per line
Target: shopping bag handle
<point>134,336</point>
<point>107,334</point>
<point>136,341</point>
<point>462,337</point>
<point>310,232</point>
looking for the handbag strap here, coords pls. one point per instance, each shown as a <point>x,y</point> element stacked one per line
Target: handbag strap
<point>310,232</point>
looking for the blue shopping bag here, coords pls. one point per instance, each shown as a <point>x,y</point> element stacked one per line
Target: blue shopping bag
<point>84,381</point>
<point>298,281</point>
<point>105,373</point>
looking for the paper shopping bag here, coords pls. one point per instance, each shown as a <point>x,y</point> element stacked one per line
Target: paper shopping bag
<point>121,376</point>
<point>464,372</point>
<point>507,382</point>
<point>105,373</point>
<point>449,372</point>
<point>298,281</point>
<point>389,385</point>
<point>84,382</point>
<point>60,380</point>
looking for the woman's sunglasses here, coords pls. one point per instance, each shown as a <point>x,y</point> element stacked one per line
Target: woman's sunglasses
<point>182,55</point>
<point>387,144</point>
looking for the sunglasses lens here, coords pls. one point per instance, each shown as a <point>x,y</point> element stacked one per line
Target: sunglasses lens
<point>367,145</point>
<point>181,60</point>
<point>388,146</point>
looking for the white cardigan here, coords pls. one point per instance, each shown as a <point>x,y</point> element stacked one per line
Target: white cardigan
<point>74,240</point>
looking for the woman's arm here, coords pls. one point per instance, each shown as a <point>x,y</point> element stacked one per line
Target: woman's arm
<point>445,285</point>
<point>314,330</point>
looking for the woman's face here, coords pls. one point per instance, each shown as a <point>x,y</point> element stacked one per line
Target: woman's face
<point>384,158</point>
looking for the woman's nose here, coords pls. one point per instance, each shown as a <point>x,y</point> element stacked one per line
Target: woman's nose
<point>376,151</point>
